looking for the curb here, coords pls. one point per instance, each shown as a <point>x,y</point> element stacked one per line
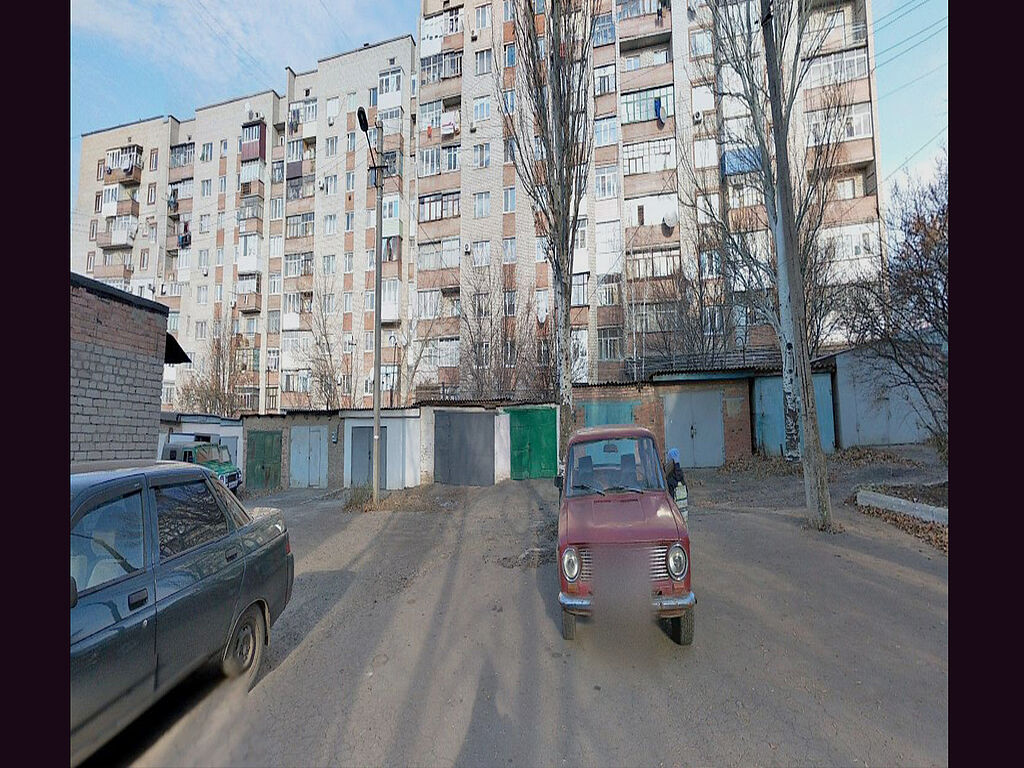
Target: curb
<point>894,504</point>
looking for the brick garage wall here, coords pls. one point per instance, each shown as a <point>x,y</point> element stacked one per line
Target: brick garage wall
<point>284,423</point>
<point>650,412</point>
<point>117,364</point>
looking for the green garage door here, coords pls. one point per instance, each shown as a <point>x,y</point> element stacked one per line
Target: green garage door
<point>534,445</point>
<point>263,461</point>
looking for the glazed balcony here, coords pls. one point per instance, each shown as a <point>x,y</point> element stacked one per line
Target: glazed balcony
<point>119,271</point>
<point>115,239</point>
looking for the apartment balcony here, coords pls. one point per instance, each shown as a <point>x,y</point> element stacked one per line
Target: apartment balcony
<point>177,207</point>
<point>128,208</point>
<point>649,77</point>
<point>116,239</point>
<point>185,171</point>
<point>175,241</point>
<point>129,176</point>
<point>250,220</point>
<point>249,302</point>
<point>301,205</point>
<point>277,153</point>
<point>250,262</point>
<point>445,88</point>
<point>652,183</point>
<point>647,28</point>
<point>856,152</point>
<point>392,228</point>
<point>251,189</point>
<point>842,37</point>
<point>856,210</point>
<point>112,271</point>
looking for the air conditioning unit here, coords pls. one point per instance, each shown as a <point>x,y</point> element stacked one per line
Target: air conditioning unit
<point>206,271</point>
<point>233,302</point>
<point>467,249</point>
<point>472,34</point>
<point>698,117</point>
<point>320,184</point>
<point>472,126</point>
<point>330,121</point>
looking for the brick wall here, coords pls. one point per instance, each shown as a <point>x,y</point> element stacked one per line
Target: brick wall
<point>650,412</point>
<point>117,359</point>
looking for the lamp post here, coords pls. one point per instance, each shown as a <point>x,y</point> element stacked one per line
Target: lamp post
<point>378,169</point>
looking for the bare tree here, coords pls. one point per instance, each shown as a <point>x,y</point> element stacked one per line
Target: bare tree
<point>551,133</point>
<point>904,313</point>
<point>211,386</point>
<point>429,315</point>
<point>498,332</point>
<point>324,354</point>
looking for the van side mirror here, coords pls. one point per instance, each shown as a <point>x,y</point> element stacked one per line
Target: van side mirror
<point>74,592</point>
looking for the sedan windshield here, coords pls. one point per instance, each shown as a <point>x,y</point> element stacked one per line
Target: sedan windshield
<point>614,466</point>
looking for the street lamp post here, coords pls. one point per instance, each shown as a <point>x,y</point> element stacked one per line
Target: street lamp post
<point>378,169</point>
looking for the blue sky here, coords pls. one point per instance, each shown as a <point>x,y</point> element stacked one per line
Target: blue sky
<point>125,61</point>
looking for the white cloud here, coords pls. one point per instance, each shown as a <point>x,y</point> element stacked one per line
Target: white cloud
<point>222,47</point>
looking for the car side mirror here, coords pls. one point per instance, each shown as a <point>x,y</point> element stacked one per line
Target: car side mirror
<point>74,592</point>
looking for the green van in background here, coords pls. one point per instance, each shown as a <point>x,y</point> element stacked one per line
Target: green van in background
<point>213,456</point>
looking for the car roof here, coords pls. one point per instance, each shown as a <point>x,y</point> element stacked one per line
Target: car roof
<point>87,474</point>
<point>610,432</point>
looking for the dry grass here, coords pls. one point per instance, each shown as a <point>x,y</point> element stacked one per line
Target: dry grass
<point>763,466</point>
<point>859,456</point>
<point>935,534</point>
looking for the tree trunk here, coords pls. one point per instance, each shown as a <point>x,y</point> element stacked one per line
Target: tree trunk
<point>790,389</point>
<point>563,352</point>
<point>816,492</point>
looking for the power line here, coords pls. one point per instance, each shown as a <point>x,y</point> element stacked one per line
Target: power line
<point>911,82</point>
<point>911,10</point>
<point>910,37</point>
<point>915,153</point>
<point>908,50</point>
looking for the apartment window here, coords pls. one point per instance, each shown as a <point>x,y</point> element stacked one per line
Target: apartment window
<point>202,294</point>
<point>481,305</point>
<point>200,330</point>
<point>98,203</point>
<point>648,156</point>
<point>508,250</point>
<point>373,97</point>
<point>451,158</point>
<point>204,257</point>
<point>346,301</point>
<point>604,30</point>
<point>508,99</point>
<point>100,167</point>
<point>369,301</point>
<point>428,304</point>
<point>429,162</point>
<point>606,182</point>
<point>204,223</point>
<point>705,153</point>
<point>451,252</point>
<point>507,10</point>
<point>845,189</point>
<point>579,289</point>
<point>350,217</point>
<point>483,16</point>
<point>510,54</point>
<point>713,321</point>
<point>510,303</point>
<point>347,262</point>
<point>541,249</point>
<point>604,79</point>
<point>92,229</point>
<point>482,155</point>
<point>606,131</point>
<point>484,61</point>
<point>481,108</point>
<point>510,151</point>
<point>276,208</point>
<point>508,203</point>
<point>207,154</point>
<point>440,205</point>
<point>649,104</point>
<point>331,224</point>
<point>609,343</point>
<point>151,194</point>
<point>481,204</point>
<point>154,158</point>
<point>481,253</point>
<point>90,261</point>
<point>700,43</point>
<point>276,245</point>
<point>581,232</point>
<point>710,263</point>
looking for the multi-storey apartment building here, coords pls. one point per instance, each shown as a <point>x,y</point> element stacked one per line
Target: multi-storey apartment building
<point>259,213</point>
<point>254,221</point>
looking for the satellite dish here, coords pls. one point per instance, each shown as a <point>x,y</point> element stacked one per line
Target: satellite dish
<point>671,219</point>
<point>361,114</point>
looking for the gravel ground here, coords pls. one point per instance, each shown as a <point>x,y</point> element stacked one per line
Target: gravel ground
<point>429,634</point>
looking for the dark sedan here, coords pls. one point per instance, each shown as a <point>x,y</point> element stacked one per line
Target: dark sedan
<point>168,571</point>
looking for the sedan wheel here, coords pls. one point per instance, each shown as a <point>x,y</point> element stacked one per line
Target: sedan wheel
<point>244,651</point>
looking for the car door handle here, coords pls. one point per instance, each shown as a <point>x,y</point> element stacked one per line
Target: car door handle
<point>138,599</point>
<point>231,554</point>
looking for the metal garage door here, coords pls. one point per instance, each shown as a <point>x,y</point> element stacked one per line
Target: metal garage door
<point>308,460</point>
<point>362,456</point>
<point>533,443</point>
<point>693,424</point>
<point>263,460</point>
<point>463,448</point>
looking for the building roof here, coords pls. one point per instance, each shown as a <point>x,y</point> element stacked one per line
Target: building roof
<point>750,361</point>
<point>363,47</point>
<point>201,418</point>
<point>125,125</point>
<point>108,292</point>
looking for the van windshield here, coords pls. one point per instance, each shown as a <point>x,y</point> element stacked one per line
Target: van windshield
<point>614,466</point>
<point>208,453</point>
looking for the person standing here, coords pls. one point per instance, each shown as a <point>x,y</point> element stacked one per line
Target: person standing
<point>676,481</point>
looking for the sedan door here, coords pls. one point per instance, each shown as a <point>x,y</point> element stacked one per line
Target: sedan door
<point>113,628</point>
<point>198,576</point>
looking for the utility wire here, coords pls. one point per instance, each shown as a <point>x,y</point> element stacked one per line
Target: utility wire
<point>911,82</point>
<point>915,153</point>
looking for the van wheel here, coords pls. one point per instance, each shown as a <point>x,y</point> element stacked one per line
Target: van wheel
<point>568,625</point>
<point>244,651</point>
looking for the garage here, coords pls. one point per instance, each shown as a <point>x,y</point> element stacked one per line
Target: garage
<point>533,442</point>
<point>308,460</point>
<point>464,448</point>
<point>263,460</point>
<point>362,456</point>
<point>694,425</point>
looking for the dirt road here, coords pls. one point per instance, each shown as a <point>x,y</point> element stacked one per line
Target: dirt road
<point>431,636</point>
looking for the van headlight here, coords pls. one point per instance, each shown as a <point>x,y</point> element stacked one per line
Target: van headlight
<point>677,562</point>
<point>570,564</point>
